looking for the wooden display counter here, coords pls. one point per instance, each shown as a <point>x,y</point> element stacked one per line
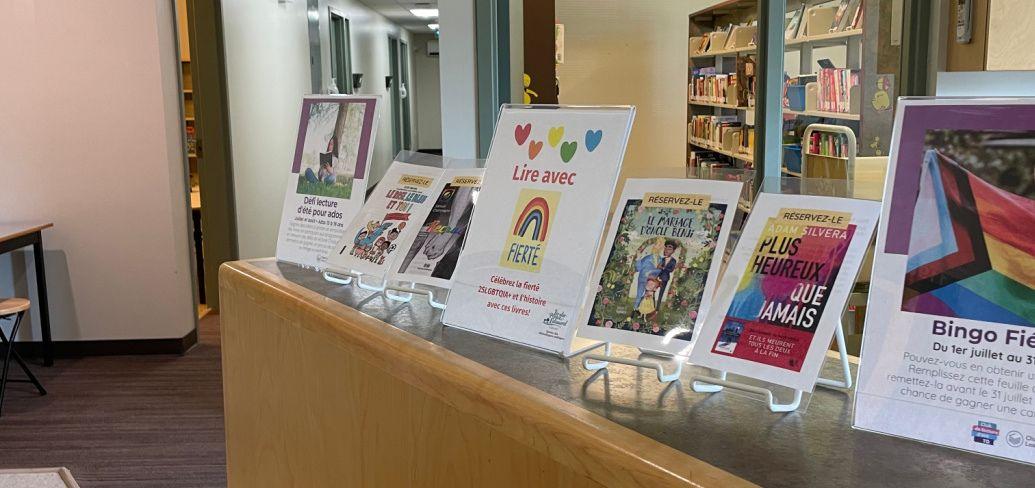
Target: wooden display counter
<point>329,385</point>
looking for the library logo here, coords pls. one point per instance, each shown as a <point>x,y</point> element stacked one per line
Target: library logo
<point>556,319</point>
<point>1014,438</point>
<point>529,230</point>
<point>984,433</point>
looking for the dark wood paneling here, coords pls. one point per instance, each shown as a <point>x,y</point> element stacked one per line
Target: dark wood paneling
<point>968,57</point>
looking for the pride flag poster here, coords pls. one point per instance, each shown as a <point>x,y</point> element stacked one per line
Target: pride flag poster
<point>549,179</point>
<point>785,288</point>
<point>949,342</point>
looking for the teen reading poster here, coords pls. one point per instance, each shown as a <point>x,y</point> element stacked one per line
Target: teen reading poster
<point>785,288</point>
<point>549,179</point>
<point>387,224</point>
<point>327,181</point>
<point>949,345</point>
<point>654,283</point>
<point>432,256</point>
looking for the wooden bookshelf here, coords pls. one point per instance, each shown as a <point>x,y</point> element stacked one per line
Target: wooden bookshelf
<point>820,113</point>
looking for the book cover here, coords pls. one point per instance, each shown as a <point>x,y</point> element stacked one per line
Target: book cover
<point>655,280</point>
<point>785,288</point>
<point>327,182</point>
<point>549,179</point>
<point>388,222</point>
<point>431,258</point>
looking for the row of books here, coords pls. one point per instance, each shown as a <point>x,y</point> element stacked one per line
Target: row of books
<point>835,89</point>
<point>708,86</point>
<point>827,144</point>
<point>707,160</point>
<point>730,37</point>
<point>724,132</point>
<point>805,21</point>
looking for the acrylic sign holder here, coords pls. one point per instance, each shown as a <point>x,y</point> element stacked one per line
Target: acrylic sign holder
<point>596,362</point>
<point>799,186</point>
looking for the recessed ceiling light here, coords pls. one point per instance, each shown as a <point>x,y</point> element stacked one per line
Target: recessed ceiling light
<point>433,27</point>
<point>425,13</point>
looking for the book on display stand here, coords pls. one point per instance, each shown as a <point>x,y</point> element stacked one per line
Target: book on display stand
<point>401,223</point>
<point>784,291</point>
<point>654,280</point>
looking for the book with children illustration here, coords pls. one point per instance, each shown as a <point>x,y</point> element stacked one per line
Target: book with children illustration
<point>388,222</point>
<point>523,272</point>
<point>432,256</point>
<point>654,281</point>
<point>327,181</point>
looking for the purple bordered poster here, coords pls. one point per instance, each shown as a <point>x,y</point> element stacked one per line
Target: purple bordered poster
<point>327,182</point>
<point>949,345</point>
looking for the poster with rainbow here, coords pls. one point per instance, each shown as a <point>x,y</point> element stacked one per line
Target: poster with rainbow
<point>948,353</point>
<point>549,179</point>
<point>785,288</point>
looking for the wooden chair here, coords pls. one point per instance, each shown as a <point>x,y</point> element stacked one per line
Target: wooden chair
<point>14,308</point>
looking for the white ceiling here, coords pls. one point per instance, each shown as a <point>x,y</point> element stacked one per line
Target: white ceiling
<point>398,11</point>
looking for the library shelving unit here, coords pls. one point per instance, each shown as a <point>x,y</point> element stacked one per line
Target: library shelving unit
<point>867,115</point>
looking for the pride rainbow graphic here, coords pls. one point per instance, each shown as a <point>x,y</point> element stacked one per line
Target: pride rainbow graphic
<point>536,214</point>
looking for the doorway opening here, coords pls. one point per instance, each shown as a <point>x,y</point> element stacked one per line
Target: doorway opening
<point>206,146</point>
<point>341,53</point>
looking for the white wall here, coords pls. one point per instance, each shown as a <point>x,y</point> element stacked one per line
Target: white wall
<point>429,97</point>
<point>89,103</point>
<point>632,53</point>
<point>268,72</point>
<point>458,70</point>
<point>1011,33</point>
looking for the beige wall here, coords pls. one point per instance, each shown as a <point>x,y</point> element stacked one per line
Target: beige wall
<point>89,103</point>
<point>1011,35</point>
<point>429,99</point>
<point>268,73</point>
<point>632,53</point>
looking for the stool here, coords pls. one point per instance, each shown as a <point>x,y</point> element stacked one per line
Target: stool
<point>14,308</point>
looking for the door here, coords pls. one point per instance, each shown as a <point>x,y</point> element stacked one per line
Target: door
<point>394,94</point>
<point>341,53</point>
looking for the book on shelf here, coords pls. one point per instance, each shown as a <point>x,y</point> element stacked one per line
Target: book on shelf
<point>858,16</point>
<point>839,15</point>
<point>835,89</point>
<point>828,144</point>
<point>706,85</point>
<point>711,129</point>
<point>794,26</point>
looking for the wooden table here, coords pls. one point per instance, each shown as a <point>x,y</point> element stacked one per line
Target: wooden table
<point>330,385</point>
<point>16,235</point>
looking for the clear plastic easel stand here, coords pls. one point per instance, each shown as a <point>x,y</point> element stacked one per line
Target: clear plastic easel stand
<point>407,290</point>
<point>710,384</point>
<point>843,188</point>
<point>404,291</point>
<point>349,277</point>
<point>596,362</point>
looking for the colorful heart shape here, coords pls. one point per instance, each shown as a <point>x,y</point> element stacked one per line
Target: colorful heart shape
<point>521,133</point>
<point>533,149</point>
<point>593,138</point>
<point>555,135</point>
<point>568,150</point>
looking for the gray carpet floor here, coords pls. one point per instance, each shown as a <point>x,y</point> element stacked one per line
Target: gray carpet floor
<point>123,421</point>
